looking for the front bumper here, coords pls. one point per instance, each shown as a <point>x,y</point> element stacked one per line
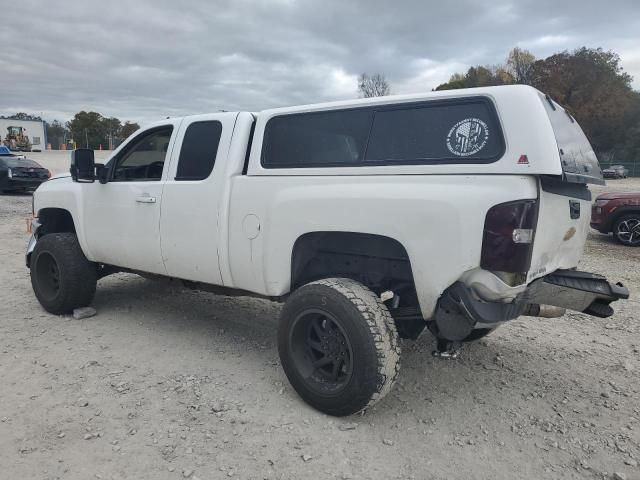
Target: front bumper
<point>459,310</point>
<point>26,183</point>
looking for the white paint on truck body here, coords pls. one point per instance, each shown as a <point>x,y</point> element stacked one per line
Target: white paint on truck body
<point>238,229</point>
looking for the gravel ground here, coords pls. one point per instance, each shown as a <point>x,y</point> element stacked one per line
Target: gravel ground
<point>169,384</point>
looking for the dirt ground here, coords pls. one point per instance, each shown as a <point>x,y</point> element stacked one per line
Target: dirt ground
<point>166,383</point>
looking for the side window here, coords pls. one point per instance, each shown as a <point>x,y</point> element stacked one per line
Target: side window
<point>438,131</point>
<point>143,160</point>
<point>324,139</point>
<point>452,132</point>
<point>198,151</point>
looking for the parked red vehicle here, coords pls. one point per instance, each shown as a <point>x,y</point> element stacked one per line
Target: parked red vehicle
<point>619,213</point>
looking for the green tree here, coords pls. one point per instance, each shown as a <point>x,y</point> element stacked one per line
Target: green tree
<point>56,133</point>
<point>520,65</point>
<point>87,129</point>
<point>480,76</point>
<point>128,128</point>
<point>24,116</point>
<point>592,85</point>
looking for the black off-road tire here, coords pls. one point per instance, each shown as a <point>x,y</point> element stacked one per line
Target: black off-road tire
<point>632,220</point>
<point>61,276</point>
<point>365,326</point>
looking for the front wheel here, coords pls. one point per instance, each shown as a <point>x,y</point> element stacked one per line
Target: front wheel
<point>338,345</point>
<point>627,229</point>
<point>61,276</point>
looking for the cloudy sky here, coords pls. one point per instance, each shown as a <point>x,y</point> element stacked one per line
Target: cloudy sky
<point>148,59</point>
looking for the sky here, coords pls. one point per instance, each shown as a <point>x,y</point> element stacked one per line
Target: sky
<point>143,60</point>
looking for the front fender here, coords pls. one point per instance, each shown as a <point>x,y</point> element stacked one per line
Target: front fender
<point>65,194</point>
<point>35,227</point>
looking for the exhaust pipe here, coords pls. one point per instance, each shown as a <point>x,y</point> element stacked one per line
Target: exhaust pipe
<point>544,311</point>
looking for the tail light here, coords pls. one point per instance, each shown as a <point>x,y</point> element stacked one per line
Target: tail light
<point>507,241</point>
<point>49,174</point>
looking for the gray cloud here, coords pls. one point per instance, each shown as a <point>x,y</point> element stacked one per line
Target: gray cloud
<point>144,59</point>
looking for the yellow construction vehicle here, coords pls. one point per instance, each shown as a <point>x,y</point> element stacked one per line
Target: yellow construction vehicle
<point>17,140</point>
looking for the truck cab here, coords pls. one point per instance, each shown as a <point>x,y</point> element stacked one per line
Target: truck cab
<point>370,219</point>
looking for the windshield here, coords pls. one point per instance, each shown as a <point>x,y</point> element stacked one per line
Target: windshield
<point>579,161</point>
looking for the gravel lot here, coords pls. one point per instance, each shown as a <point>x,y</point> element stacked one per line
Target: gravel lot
<point>168,384</point>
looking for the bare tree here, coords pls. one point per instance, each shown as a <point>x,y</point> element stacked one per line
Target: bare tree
<point>520,65</point>
<point>373,86</point>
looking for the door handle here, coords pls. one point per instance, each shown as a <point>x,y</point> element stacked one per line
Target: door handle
<point>146,199</point>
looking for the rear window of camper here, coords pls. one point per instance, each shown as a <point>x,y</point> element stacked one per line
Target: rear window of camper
<point>579,161</point>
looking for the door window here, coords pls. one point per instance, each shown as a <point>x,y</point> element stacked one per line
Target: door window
<point>143,160</point>
<point>198,151</point>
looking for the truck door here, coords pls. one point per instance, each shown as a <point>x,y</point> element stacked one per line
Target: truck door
<point>122,217</point>
<point>192,198</point>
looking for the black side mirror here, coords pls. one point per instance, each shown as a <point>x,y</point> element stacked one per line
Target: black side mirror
<point>102,173</point>
<point>83,165</point>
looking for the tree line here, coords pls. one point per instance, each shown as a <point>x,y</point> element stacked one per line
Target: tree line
<point>85,129</point>
<point>589,82</point>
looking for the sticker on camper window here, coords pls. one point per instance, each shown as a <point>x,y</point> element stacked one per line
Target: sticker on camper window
<point>467,137</point>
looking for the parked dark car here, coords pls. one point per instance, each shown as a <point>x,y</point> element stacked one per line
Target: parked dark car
<point>18,173</point>
<point>615,171</point>
<point>618,213</point>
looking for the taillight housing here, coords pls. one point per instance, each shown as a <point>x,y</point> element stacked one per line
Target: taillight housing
<point>507,242</point>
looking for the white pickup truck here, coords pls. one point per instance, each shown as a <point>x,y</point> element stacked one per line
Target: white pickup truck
<point>370,219</point>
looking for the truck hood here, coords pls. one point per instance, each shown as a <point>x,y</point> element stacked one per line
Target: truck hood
<point>615,195</point>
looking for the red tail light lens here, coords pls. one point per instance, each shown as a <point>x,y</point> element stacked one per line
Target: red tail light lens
<point>507,242</point>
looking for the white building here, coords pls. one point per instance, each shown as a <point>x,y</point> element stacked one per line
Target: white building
<point>34,129</point>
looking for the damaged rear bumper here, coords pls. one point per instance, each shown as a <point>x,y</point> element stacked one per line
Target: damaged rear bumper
<point>459,310</point>
<point>579,291</point>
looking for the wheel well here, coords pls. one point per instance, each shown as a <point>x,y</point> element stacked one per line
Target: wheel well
<point>381,263</point>
<point>55,220</point>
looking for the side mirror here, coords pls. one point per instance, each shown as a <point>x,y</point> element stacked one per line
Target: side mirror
<point>83,165</point>
<point>102,173</point>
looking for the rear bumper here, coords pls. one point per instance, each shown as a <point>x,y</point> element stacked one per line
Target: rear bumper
<point>579,291</point>
<point>459,310</point>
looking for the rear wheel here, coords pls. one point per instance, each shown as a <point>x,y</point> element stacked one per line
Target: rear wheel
<point>627,229</point>
<point>62,277</point>
<point>338,346</point>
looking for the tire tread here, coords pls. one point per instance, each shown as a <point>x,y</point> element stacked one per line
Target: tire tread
<point>79,274</point>
<point>381,329</point>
